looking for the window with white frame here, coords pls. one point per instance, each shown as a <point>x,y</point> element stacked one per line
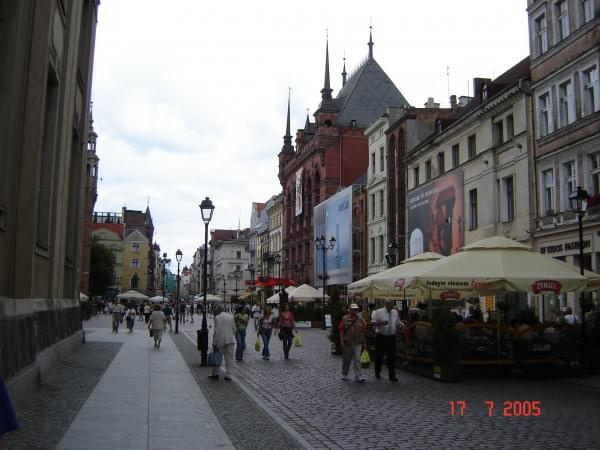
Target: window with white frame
<point>372,248</point>
<point>508,185</point>
<point>589,90</point>
<point>548,192</point>
<point>510,126</point>
<point>569,183</point>
<point>455,155</point>
<point>544,114</point>
<point>381,160</point>
<point>566,103</point>
<point>416,176</point>
<point>441,163</point>
<point>586,11</point>
<point>381,249</point>
<point>135,263</point>
<point>428,170</point>
<point>381,206</point>
<point>541,34</point>
<point>562,20</point>
<point>471,146</point>
<point>473,209</point>
<point>595,172</point>
<point>135,248</point>
<point>372,206</point>
<point>373,163</point>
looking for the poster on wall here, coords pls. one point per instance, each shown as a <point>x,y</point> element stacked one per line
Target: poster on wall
<point>299,192</point>
<point>436,216</point>
<point>333,218</point>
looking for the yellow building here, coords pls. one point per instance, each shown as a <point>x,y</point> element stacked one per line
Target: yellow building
<point>135,261</point>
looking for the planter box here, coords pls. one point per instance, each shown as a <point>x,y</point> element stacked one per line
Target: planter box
<point>303,324</point>
<point>447,372</point>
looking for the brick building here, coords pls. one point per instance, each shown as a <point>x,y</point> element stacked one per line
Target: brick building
<point>330,154</point>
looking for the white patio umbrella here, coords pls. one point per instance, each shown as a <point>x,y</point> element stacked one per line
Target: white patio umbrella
<point>132,295</point>
<point>391,283</point>
<point>158,299</point>
<point>290,289</point>
<point>210,298</point>
<point>306,293</point>
<point>273,299</point>
<point>498,264</point>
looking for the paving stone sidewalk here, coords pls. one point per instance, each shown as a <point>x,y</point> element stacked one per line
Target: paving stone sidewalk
<point>64,390</point>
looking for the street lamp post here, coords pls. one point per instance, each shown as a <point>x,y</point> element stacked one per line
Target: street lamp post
<point>392,252</point>
<point>578,200</point>
<point>250,269</point>
<point>237,274</point>
<point>322,245</point>
<point>224,289</point>
<point>165,261</point>
<point>178,256</point>
<point>206,208</point>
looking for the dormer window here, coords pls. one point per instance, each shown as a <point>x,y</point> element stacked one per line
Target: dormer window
<point>438,125</point>
<point>484,92</point>
<point>328,123</point>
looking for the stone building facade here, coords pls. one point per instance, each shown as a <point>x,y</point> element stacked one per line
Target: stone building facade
<point>229,251</point>
<point>46,56</point>
<point>330,154</point>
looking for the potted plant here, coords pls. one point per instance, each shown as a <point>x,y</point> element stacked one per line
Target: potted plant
<point>446,345</point>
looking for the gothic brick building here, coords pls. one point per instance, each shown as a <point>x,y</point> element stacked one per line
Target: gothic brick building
<point>330,154</point>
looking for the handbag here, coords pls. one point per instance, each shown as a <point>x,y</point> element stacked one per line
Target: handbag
<point>297,341</point>
<point>257,344</point>
<point>151,331</point>
<point>365,359</point>
<point>215,359</point>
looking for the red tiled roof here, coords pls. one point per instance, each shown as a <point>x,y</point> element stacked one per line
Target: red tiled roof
<point>114,227</point>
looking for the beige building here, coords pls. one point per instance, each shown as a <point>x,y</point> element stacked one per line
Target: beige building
<point>112,238</point>
<point>135,261</point>
<point>275,214</point>
<point>46,56</point>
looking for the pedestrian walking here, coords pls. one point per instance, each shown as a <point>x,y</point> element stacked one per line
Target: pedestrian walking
<point>353,332</point>
<point>8,419</point>
<point>255,315</point>
<point>387,324</point>
<point>223,339</point>
<point>241,322</point>
<point>287,326</point>
<point>157,324</point>
<point>130,318</point>
<point>182,312</point>
<point>168,312</point>
<point>147,312</point>
<point>116,317</point>
<point>191,313</point>
<point>275,314</point>
<point>141,312</point>
<point>265,327</point>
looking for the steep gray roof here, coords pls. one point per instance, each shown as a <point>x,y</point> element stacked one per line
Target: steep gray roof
<point>367,94</point>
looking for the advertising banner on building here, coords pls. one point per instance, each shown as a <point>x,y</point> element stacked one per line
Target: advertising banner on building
<point>299,192</point>
<point>333,218</point>
<point>436,216</point>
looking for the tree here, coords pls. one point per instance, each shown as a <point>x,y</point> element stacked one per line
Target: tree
<point>102,265</point>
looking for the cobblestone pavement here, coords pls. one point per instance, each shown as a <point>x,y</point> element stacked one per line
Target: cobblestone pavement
<point>247,425</point>
<point>64,390</point>
<point>307,393</point>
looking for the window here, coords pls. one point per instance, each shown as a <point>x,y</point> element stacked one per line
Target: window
<point>372,206</point>
<point>471,146</point>
<point>416,176</point>
<point>569,183</point>
<point>135,263</point>
<point>441,163</point>
<point>498,132</point>
<point>372,163</point>
<point>562,20</point>
<point>135,248</point>
<point>510,126</point>
<point>381,250</point>
<point>586,11</point>
<point>566,105</point>
<point>428,170</point>
<point>544,116</point>
<point>238,253</point>
<point>509,199</point>
<point>381,208</point>
<point>381,160</point>
<point>455,155</point>
<point>595,160</point>
<point>372,252</point>
<point>473,208</point>
<point>548,192</point>
<point>589,80</point>
<point>541,34</point>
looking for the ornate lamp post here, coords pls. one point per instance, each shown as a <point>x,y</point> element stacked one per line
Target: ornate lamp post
<point>322,245</point>
<point>206,208</point>
<point>250,269</point>
<point>178,256</point>
<point>164,261</point>
<point>578,200</point>
<point>237,274</point>
<point>392,252</point>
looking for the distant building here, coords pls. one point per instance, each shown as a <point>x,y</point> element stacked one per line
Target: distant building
<point>108,230</point>
<point>330,154</point>
<point>230,255</point>
<point>136,249</point>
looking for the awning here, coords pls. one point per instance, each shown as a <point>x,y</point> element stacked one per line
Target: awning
<point>245,295</point>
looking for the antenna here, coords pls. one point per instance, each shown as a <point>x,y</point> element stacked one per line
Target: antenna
<point>448,76</point>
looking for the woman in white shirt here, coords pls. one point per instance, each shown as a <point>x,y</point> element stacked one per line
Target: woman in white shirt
<point>157,324</point>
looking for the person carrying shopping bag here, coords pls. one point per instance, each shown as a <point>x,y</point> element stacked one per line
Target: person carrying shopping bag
<point>353,332</point>
<point>287,326</point>
<point>223,341</point>
<point>157,323</point>
<point>265,327</point>
<point>241,322</point>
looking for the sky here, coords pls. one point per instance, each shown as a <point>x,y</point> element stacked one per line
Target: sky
<point>190,97</point>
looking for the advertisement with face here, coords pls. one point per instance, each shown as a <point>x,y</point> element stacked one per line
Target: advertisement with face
<point>436,216</point>
<point>333,218</point>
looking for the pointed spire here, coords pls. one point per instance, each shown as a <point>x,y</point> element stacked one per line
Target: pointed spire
<point>307,123</point>
<point>287,126</point>
<point>370,44</point>
<point>326,91</point>
<point>288,148</point>
<point>344,71</point>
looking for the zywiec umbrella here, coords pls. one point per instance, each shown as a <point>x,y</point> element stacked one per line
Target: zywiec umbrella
<point>306,293</point>
<point>132,295</point>
<point>499,264</point>
<point>391,283</point>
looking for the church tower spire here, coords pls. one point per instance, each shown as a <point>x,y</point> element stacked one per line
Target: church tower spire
<point>370,44</point>
<point>287,139</point>
<point>344,72</point>
<point>326,91</point>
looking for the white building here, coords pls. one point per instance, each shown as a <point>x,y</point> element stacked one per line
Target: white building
<point>230,256</point>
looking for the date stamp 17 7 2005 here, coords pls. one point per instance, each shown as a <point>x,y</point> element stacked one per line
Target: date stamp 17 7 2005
<point>508,408</point>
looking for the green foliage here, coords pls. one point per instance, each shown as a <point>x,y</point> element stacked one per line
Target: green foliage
<point>445,336</point>
<point>102,263</point>
<point>527,316</point>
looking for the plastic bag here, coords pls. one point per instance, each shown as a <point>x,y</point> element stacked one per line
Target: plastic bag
<point>297,341</point>
<point>365,359</point>
<point>257,344</point>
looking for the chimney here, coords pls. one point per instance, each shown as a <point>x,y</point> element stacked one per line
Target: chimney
<point>453,101</point>
<point>478,84</point>
<point>431,104</point>
<point>464,100</point>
